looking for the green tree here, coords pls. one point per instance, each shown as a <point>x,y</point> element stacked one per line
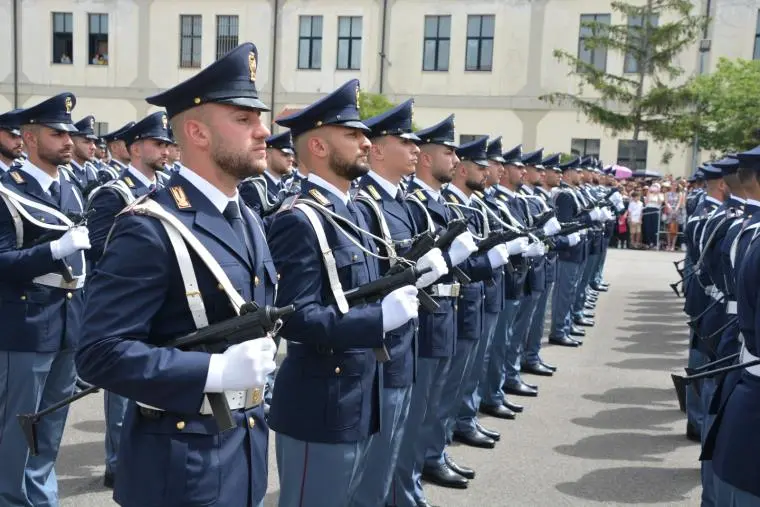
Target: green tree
<point>645,100</point>
<point>372,104</point>
<point>725,117</point>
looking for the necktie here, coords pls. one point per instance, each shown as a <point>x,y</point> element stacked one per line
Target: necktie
<point>400,197</point>
<point>235,219</point>
<point>55,192</point>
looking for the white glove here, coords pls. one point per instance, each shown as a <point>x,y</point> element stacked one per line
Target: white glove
<point>461,248</point>
<point>399,307</point>
<point>535,249</point>
<point>616,199</point>
<point>552,227</point>
<point>241,366</point>
<point>75,239</point>
<point>498,256</point>
<point>619,206</point>
<point>433,259</point>
<point>517,246</point>
<point>595,215</point>
<point>573,238</point>
<point>608,215</point>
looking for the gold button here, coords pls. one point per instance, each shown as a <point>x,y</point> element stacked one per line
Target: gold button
<point>23,298</point>
<point>251,422</point>
<point>354,257</point>
<point>219,286</point>
<point>69,295</point>
<point>337,370</point>
<point>256,396</point>
<point>256,281</point>
<point>181,425</point>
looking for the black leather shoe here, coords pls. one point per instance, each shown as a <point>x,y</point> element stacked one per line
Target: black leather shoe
<point>576,331</point>
<point>467,473</point>
<point>500,411</point>
<point>108,480</point>
<point>537,369</point>
<point>521,390</point>
<point>495,435</point>
<point>444,476</point>
<point>599,288</point>
<point>588,314</point>
<point>592,292</point>
<point>547,365</point>
<point>583,322</point>
<point>563,341</point>
<point>474,438</point>
<point>692,433</point>
<point>532,386</point>
<point>514,407</point>
<point>422,503</point>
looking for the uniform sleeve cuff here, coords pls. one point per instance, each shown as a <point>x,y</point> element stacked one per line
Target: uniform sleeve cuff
<point>216,366</point>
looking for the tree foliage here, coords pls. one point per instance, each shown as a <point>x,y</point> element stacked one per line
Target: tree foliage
<point>372,104</point>
<point>652,35</point>
<point>727,113</point>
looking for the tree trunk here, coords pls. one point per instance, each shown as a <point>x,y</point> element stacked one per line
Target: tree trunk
<point>643,66</point>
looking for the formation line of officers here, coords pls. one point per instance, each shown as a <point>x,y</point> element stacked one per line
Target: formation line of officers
<point>720,287</point>
<point>104,262</point>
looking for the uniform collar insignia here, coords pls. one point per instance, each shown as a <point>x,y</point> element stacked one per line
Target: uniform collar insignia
<point>479,193</point>
<point>453,198</point>
<point>129,182</point>
<point>17,177</point>
<point>180,198</point>
<point>373,192</point>
<point>317,195</point>
<point>420,195</point>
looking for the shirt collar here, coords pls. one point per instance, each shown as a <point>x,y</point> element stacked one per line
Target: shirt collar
<point>738,199</point>
<point>465,199</point>
<point>343,196</point>
<point>4,167</point>
<point>43,178</point>
<point>435,194</point>
<point>218,198</point>
<point>753,202</point>
<point>140,176</point>
<point>389,187</point>
<point>504,189</point>
<point>273,178</point>
<point>529,189</point>
<point>713,200</point>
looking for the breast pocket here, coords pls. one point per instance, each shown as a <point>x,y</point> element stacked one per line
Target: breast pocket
<point>352,268</point>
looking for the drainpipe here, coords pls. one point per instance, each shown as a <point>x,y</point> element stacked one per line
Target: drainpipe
<point>274,62</point>
<point>382,46</point>
<point>15,53</point>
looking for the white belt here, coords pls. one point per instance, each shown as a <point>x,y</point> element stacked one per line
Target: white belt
<point>56,281</point>
<point>445,290</point>
<point>731,308</point>
<point>248,398</point>
<point>746,356</point>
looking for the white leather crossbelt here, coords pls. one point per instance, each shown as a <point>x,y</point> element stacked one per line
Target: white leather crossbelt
<point>236,399</point>
<point>731,308</point>
<point>445,290</point>
<point>56,281</point>
<point>746,356</point>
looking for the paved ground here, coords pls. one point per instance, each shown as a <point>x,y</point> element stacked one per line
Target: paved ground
<point>605,429</point>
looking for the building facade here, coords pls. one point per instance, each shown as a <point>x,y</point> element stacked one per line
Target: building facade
<point>487,61</point>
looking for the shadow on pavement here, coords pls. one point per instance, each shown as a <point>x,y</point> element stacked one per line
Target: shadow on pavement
<point>659,364</point>
<point>633,418</point>
<point>625,446</point>
<point>77,470</point>
<point>634,485</point>
<point>672,348</point>
<point>91,426</point>
<point>634,396</point>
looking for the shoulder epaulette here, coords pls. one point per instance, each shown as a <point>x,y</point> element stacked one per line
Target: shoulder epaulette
<point>287,203</point>
<point>130,208</point>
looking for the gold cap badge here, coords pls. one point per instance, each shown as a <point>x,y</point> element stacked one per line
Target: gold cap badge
<point>357,97</point>
<point>164,122</point>
<point>68,104</point>
<point>252,66</point>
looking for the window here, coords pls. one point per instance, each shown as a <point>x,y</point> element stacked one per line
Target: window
<point>310,42</point>
<point>349,42</point>
<point>592,56</point>
<point>190,41</point>
<point>63,38</point>
<point>585,147</point>
<point>632,154</point>
<point>466,138</point>
<point>97,39</point>
<point>226,35</point>
<point>101,128</point>
<point>756,52</point>
<point>636,36</point>
<point>437,42</point>
<point>479,43</point>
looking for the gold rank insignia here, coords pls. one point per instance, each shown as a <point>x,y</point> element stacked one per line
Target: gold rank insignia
<point>420,195</point>
<point>180,198</point>
<point>374,193</point>
<point>317,195</point>
<point>17,177</point>
<point>502,197</point>
<point>129,182</point>
<point>252,66</point>
<point>453,199</point>
<point>68,104</point>
<point>479,193</point>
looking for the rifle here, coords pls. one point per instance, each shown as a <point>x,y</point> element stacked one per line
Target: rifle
<point>254,320</point>
<point>78,219</point>
<point>455,228</point>
<point>422,245</point>
<point>378,289</point>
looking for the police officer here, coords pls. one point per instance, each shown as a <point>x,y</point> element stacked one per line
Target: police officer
<point>118,152</point>
<point>469,176</point>
<point>263,193</point>
<point>437,333</point>
<point>321,249</point>
<point>83,171</point>
<point>11,143</point>
<point>149,289</point>
<point>393,155</point>
<point>40,299</point>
